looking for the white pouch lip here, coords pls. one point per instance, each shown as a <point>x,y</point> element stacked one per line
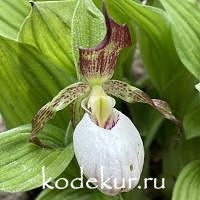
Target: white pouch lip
<point>116,149</point>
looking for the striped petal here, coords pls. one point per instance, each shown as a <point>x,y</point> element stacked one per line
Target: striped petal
<point>132,94</point>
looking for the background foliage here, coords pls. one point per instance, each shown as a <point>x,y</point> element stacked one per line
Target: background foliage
<point>38,57</point>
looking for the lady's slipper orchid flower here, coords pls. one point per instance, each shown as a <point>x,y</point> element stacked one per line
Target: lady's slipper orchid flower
<point>105,139</point>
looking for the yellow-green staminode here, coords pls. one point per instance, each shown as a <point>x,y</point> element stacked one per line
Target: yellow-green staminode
<point>101,105</point>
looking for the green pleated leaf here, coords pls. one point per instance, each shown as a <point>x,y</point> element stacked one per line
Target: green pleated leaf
<point>12,15</point>
<point>185,19</point>
<point>191,120</point>
<point>21,162</point>
<point>69,194</point>
<point>187,186</point>
<point>48,0</point>
<point>99,196</point>
<point>180,151</point>
<point>27,82</point>
<point>177,152</point>
<point>65,194</point>
<point>173,82</point>
<point>48,29</point>
<point>88,27</point>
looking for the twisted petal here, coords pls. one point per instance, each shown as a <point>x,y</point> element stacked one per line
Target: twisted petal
<point>132,94</point>
<point>98,63</point>
<point>118,152</point>
<point>59,102</point>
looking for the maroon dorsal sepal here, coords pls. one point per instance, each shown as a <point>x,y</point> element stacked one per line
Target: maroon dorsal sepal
<point>98,63</point>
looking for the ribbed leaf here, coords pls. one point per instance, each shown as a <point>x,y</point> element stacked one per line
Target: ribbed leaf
<point>48,29</point>
<point>187,185</point>
<point>88,27</point>
<point>177,152</point>
<point>69,194</point>
<point>21,162</point>
<point>185,18</point>
<point>66,194</point>
<point>12,15</point>
<point>27,81</point>
<point>191,120</point>
<point>180,151</point>
<point>99,196</point>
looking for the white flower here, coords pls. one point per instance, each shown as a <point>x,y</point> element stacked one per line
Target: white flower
<point>118,151</point>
